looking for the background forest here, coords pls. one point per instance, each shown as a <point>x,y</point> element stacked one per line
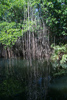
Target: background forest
<point>32,25</point>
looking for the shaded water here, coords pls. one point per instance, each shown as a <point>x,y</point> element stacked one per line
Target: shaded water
<point>24,80</point>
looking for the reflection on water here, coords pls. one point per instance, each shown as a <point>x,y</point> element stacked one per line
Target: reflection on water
<point>58,88</point>
<point>20,81</point>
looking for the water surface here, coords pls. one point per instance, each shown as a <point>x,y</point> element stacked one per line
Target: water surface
<point>30,80</point>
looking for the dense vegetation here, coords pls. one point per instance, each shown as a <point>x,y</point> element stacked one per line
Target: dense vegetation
<point>12,13</point>
<point>17,17</point>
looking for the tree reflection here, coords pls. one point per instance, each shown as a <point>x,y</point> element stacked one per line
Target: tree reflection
<point>21,78</point>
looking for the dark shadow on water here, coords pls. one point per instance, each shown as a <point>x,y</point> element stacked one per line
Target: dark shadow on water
<point>20,81</point>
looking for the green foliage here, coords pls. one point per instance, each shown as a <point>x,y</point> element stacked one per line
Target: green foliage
<point>11,16</point>
<point>9,33</point>
<point>12,12</point>
<point>64,59</point>
<point>12,20</point>
<point>58,49</point>
<point>59,56</point>
<point>30,26</point>
<point>54,13</point>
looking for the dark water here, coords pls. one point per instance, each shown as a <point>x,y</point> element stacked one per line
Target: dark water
<point>24,80</point>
